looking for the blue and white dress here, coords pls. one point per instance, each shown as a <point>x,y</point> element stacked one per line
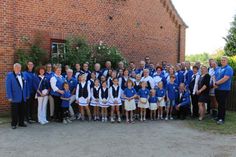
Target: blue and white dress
<point>115,95</point>
<point>83,93</point>
<point>104,97</point>
<point>95,96</point>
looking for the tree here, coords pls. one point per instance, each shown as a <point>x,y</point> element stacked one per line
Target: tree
<point>230,46</point>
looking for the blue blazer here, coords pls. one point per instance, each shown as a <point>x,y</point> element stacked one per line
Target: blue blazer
<point>14,90</point>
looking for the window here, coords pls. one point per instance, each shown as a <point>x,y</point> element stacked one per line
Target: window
<point>57,50</point>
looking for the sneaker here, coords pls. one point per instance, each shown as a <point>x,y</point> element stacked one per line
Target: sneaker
<point>69,121</point>
<point>64,121</point>
<point>72,118</point>
<point>171,118</point>
<point>166,118</point>
<point>112,120</point>
<point>119,120</point>
<point>220,122</point>
<point>161,118</point>
<point>78,116</point>
<point>98,118</point>
<point>95,118</point>
<point>144,119</point>
<point>103,119</point>
<point>141,119</point>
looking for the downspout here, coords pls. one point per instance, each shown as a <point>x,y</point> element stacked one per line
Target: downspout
<point>179,44</point>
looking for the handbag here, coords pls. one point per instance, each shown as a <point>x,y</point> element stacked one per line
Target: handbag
<point>36,96</point>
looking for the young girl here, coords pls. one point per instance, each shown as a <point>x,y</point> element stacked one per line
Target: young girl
<point>115,99</point>
<point>171,90</point>
<point>92,79</point>
<point>153,104</point>
<point>110,79</point>
<point>143,103</point>
<point>83,96</point>
<point>160,93</point>
<point>65,103</point>
<point>129,95</point>
<point>95,99</point>
<point>104,100</point>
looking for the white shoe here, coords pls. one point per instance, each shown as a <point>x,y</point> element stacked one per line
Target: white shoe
<point>64,121</point>
<point>166,118</point>
<point>171,118</point>
<point>119,120</point>
<point>69,121</point>
<point>112,120</point>
<point>42,123</point>
<point>105,119</point>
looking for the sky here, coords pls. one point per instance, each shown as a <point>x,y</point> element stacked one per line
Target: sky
<point>208,22</point>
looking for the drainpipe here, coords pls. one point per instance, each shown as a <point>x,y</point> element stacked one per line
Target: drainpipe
<point>179,44</point>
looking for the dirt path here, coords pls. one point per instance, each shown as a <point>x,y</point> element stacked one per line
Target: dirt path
<point>95,139</point>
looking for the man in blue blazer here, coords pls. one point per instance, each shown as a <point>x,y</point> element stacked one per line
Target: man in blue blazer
<point>17,93</point>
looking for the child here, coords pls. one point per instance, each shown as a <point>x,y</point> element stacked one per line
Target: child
<point>110,79</point>
<point>129,95</point>
<point>104,99</point>
<point>143,103</point>
<point>171,90</point>
<point>83,96</point>
<point>153,105</point>
<point>65,103</point>
<point>160,93</point>
<point>92,79</point>
<point>95,99</point>
<point>115,99</point>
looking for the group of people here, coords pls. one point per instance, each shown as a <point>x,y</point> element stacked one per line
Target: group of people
<point>160,91</point>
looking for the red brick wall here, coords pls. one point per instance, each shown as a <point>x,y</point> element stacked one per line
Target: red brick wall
<point>137,28</point>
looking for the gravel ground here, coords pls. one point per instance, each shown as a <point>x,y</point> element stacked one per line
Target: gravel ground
<point>96,139</point>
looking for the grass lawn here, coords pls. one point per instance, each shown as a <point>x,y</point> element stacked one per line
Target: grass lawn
<point>210,125</point>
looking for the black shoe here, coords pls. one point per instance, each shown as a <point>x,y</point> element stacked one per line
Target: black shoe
<point>23,125</point>
<point>13,127</point>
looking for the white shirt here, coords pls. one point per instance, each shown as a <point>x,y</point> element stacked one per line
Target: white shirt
<point>20,80</point>
<point>157,79</point>
<point>195,88</point>
<point>148,79</point>
<point>53,82</point>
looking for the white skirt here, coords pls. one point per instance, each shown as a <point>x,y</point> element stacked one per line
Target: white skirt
<point>153,106</point>
<point>94,103</point>
<point>113,104</point>
<point>162,102</point>
<point>130,105</point>
<point>143,105</point>
<point>104,104</point>
<point>83,101</point>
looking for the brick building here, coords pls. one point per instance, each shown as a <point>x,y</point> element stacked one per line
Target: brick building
<point>136,27</point>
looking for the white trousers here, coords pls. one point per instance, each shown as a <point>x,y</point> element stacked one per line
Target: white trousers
<point>42,108</point>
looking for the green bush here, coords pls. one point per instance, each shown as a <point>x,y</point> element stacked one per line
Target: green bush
<point>34,53</point>
<point>77,51</point>
<point>103,53</point>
